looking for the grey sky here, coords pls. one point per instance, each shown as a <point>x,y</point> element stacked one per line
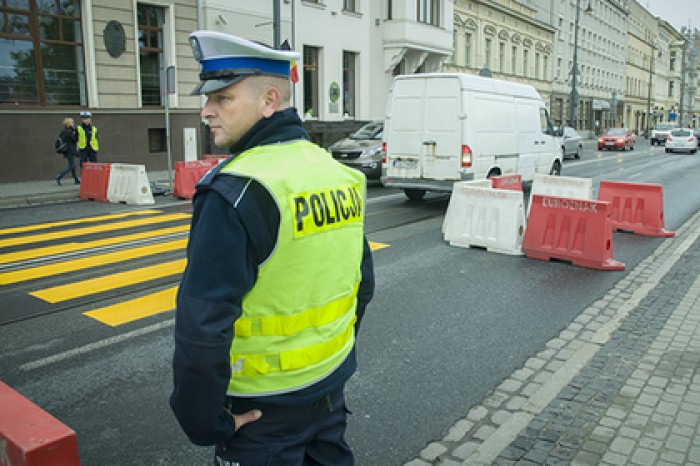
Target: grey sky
<point>678,13</point>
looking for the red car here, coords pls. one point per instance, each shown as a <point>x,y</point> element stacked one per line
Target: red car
<point>616,138</point>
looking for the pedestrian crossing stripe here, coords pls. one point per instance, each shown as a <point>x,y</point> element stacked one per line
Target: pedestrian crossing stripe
<point>64,248</point>
<point>377,246</point>
<point>152,304</point>
<point>119,313</point>
<point>58,268</point>
<point>109,282</point>
<point>77,221</point>
<point>135,309</point>
<point>118,280</point>
<point>77,232</point>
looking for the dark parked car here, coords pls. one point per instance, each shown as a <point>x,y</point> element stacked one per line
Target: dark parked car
<point>696,132</point>
<point>616,138</point>
<point>362,150</point>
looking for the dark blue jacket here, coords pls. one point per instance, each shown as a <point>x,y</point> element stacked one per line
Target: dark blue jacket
<point>234,228</point>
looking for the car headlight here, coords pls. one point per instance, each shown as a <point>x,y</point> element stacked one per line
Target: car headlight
<point>370,152</point>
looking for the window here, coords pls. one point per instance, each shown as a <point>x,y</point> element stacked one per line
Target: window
<point>156,140</point>
<point>349,5</point>
<point>513,59</point>
<point>41,53</point>
<point>311,81</point>
<point>151,20</point>
<point>468,49</point>
<point>545,67</point>
<point>502,57</point>
<point>559,70</point>
<point>526,54</point>
<point>488,53</point>
<point>672,62</point>
<point>455,40</point>
<point>670,88</point>
<point>349,86</point>
<point>560,29</point>
<point>537,65</point>
<point>545,125</point>
<point>389,9</point>
<point>428,11</point>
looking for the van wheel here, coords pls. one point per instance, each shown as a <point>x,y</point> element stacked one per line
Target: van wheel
<point>577,155</point>
<point>415,194</point>
<point>492,173</point>
<point>556,169</point>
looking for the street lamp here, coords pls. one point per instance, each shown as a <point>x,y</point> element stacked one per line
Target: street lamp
<point>574,69</point>
<point>651,69</point>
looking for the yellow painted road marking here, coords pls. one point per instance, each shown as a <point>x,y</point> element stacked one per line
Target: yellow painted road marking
<point>90,230</point>
<point>113,281</point>
<point>135,309</point>
<point>72,247</point>
<point>100,218</point>
<point>375,246</point>
<point>88,262</point>
<point>152,304</point>
<point>83,288</point>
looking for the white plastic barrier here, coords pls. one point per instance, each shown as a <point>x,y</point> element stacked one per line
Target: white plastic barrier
<point>561,186</point>
<point>456,187</point>
<point>129,184</point>
<point>485,217</point>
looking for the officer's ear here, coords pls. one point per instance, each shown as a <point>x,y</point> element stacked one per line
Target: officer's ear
<point>271,99</point>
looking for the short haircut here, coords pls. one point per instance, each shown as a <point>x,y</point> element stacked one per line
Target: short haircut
<point>262,82</point>
<point>67,122</point>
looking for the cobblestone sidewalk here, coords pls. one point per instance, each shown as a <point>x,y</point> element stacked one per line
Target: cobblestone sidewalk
<point>618,386</point>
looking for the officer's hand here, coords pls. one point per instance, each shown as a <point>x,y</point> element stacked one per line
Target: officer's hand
<point>239,420</point>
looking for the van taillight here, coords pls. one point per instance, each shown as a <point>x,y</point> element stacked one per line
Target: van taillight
<point>466,156</point>
<point>384,152</point>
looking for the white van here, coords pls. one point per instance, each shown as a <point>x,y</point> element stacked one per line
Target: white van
<point>446,127</point>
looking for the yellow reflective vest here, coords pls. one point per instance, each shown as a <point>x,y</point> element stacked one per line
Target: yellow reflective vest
<point>297,321</point>
<point>82,139</point>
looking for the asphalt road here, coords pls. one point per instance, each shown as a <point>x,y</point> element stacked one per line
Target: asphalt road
<point>447,324</point>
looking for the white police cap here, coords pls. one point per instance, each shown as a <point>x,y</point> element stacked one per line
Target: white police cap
<point>226,59</point>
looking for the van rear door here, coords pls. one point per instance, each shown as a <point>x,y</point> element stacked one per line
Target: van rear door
<point>441,142</point>
<point>403,128</point>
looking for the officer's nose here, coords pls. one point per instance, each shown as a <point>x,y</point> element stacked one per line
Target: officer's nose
<point>207,111</point>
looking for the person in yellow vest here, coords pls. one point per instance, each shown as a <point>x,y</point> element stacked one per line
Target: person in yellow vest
<point>88,145</point>
<point>278,277</point>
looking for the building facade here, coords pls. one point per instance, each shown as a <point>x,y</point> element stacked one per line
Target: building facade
<point>130,64</point>
<point>642,44</point>
<point>351,50</point>
<point>502,39</point>
<point>594,32</point>
<point>106,56</point>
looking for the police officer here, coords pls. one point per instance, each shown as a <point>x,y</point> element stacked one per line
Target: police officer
<point>88,145</point>
<point>278,274</point>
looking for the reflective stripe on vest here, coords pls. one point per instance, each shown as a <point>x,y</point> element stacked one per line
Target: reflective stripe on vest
<point>298,319</point>
<point>82,139</point>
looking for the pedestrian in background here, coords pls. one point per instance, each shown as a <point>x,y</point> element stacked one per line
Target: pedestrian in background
<point>70,136</point>
<point>88,145</point>
<point>278,275</point>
